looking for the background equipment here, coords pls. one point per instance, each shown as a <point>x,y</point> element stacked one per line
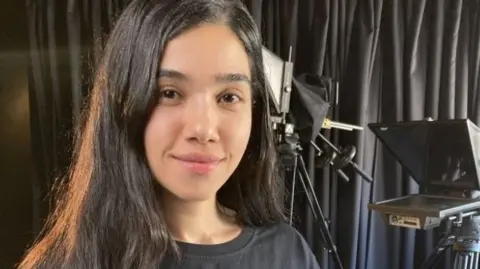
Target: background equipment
<point>298,104</point>
<point>443,157</point>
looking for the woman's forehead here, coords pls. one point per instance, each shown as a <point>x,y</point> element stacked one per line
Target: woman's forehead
<point>208,50</point>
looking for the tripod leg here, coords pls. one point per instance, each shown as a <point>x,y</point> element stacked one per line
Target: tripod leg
<point>471,261</point>
<point>309,198</point>
<point>476,260</point>
<point>292,198</point>
<point>443,244</point>
<point>461,261</point>
<point>457,262</point>
<point>466,260</point>
<point>310,203</point>
<point>307,184</point>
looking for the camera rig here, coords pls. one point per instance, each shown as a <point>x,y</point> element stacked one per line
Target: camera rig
<point>280,80</point>
<point>443,157</point>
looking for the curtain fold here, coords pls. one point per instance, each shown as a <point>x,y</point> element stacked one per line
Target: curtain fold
<point>474,56</point>
<point>74,48</point>
<point>390,60</point>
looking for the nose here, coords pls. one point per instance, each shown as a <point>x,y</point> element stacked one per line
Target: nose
<point>201,121</point>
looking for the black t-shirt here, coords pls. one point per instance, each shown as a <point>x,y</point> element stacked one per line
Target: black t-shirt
<point>274,247</point>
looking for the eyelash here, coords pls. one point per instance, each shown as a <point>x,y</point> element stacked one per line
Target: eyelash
<point>223,95</point>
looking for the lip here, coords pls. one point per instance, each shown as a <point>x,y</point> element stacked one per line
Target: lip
<point>198,163</point>
<point>197,158</point>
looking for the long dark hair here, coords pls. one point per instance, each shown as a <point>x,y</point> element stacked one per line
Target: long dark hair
<point>109,213</point>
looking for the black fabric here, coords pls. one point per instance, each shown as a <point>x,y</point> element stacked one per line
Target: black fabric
<point>390,59</point>
<point>276,246</point>
<point>310,102</point>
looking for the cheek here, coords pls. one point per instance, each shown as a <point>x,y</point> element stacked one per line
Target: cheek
<point>236,135</point>
<point>158,136</point>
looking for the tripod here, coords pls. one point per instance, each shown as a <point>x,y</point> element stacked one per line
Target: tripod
<point>290,152</point>
<point>464,236</point>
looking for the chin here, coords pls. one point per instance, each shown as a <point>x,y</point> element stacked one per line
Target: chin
<point>193,196</point>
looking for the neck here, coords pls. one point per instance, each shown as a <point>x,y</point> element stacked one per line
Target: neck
<point>198,222</point>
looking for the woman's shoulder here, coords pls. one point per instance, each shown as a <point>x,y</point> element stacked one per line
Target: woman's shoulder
<point>279,232</point>
<point>284,243</point>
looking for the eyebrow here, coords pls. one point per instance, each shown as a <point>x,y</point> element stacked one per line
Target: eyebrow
<point>220,78</point>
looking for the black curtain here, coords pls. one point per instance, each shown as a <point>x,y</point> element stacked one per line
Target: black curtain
<point>392,60</point>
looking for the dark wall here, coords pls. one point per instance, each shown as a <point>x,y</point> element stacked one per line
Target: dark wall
<point>15,147</point>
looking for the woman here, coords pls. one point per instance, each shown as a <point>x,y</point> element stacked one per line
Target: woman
<point>175,166</point>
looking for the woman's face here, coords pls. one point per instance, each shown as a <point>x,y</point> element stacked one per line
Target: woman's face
<point>199,130</point>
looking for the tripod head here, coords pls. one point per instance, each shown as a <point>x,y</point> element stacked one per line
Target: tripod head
<point>289,150</point>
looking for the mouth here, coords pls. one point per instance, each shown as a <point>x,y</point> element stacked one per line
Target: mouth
<point>198,163</point>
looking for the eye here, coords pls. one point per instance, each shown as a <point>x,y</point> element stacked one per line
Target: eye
<point>169,94</point>
<point>169,97</point>
<point>229,98</point>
